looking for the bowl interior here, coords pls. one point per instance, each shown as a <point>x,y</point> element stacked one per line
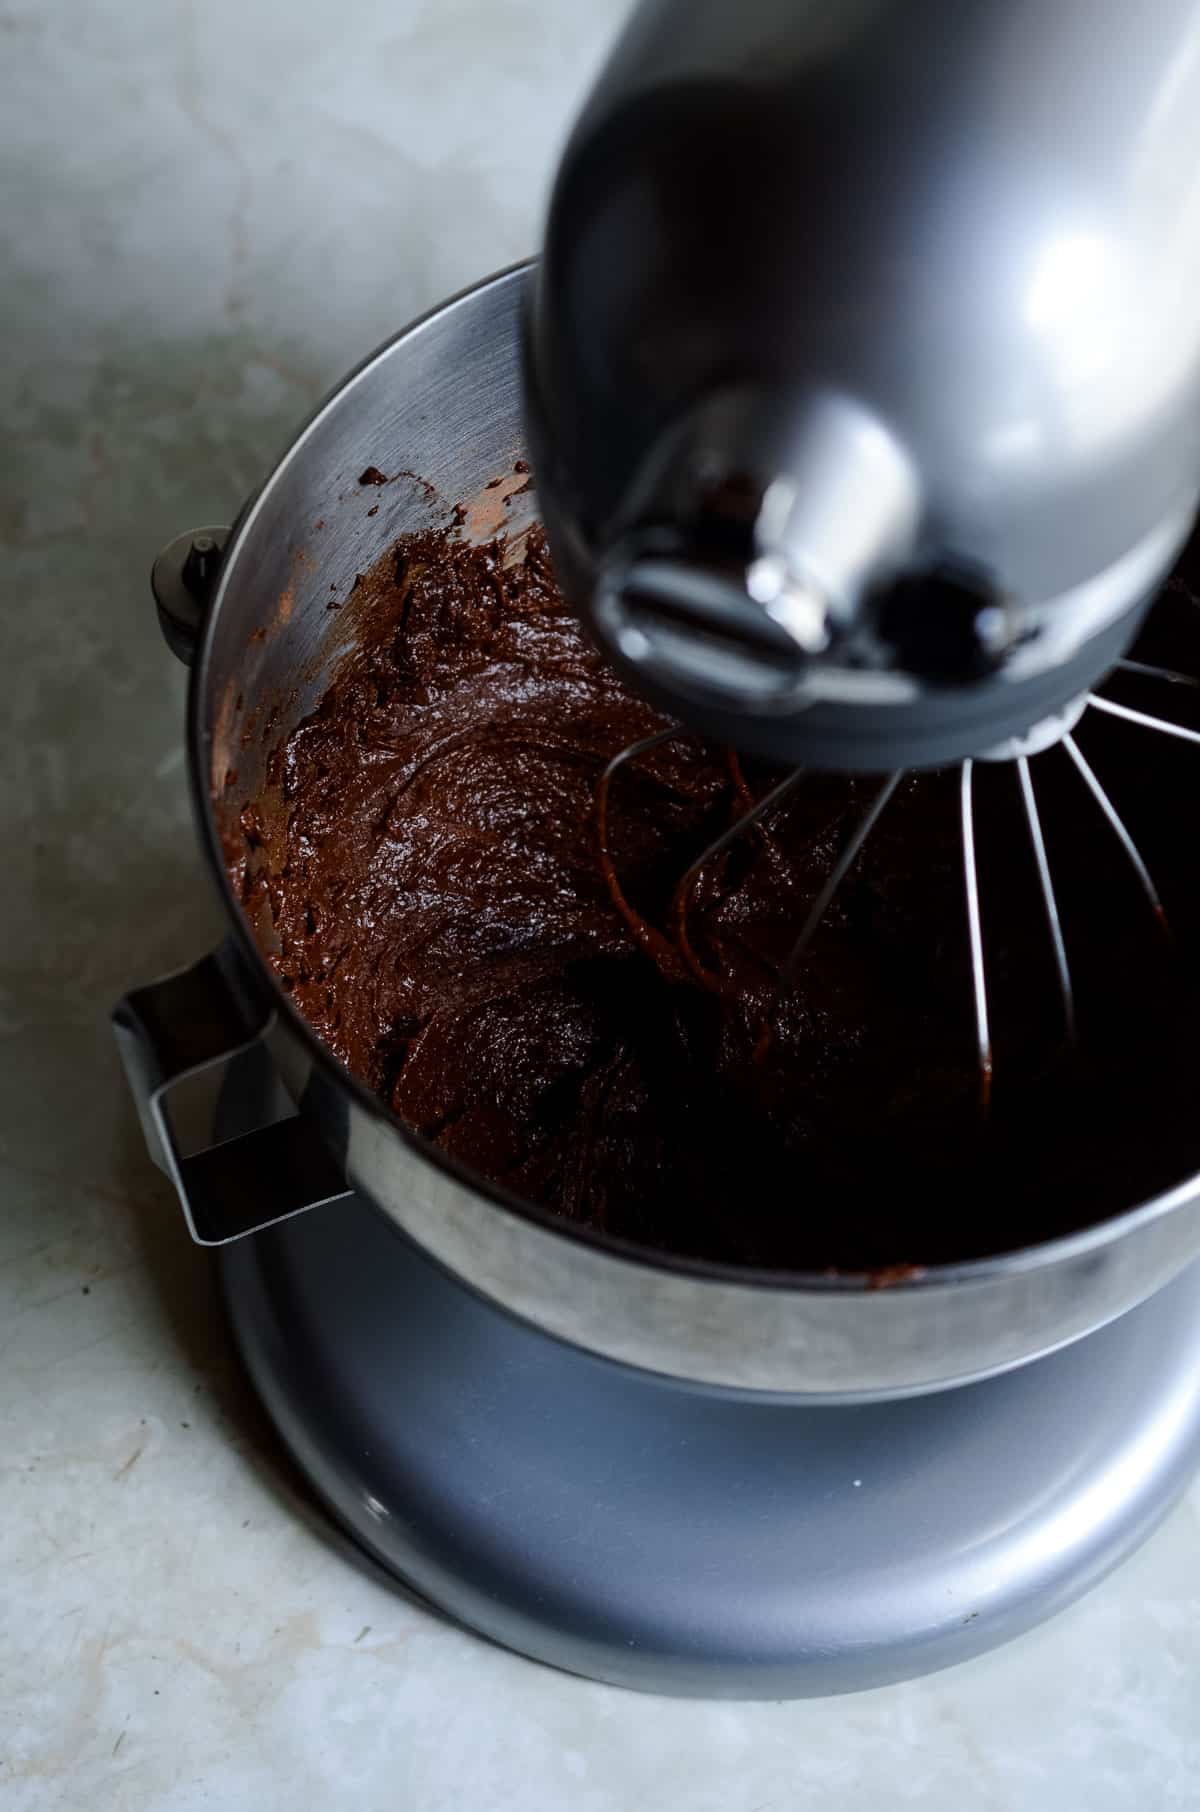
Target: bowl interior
<point>425,424</point>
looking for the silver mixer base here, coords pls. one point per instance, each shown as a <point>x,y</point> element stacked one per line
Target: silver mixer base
<point>682,1541</point>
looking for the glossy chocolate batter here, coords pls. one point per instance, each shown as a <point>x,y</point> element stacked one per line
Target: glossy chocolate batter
<point>429,885</point>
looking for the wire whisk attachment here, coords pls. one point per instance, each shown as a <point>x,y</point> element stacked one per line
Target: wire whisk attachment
<point>673,950</point>
<point>675,954</point>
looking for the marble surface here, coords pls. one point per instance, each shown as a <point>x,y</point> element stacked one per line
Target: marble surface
<point>209,210</point>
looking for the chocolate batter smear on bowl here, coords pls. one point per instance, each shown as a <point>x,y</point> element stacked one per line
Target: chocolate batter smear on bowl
<point>429,882</point>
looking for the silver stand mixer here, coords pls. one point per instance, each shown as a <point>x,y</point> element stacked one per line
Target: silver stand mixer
<point>860,380</point>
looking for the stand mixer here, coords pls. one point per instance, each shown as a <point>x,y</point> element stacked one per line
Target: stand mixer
<point>860,380</point>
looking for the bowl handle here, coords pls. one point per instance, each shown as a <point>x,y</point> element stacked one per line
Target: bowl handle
<point>180,1027</point>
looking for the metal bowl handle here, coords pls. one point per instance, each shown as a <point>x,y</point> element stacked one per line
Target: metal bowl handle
<point>195,1021</point>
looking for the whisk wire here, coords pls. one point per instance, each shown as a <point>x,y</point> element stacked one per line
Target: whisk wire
<point>1145,670</point>
<point>1087,774</point>
<point>632,750</point>
<point>1142,718</point>
<point>1050,903</point>
<point>841,869</point>
<point>983,1035</point>
<point>754,815</point>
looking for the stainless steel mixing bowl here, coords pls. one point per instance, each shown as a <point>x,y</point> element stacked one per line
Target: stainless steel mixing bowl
<point>442,400</point>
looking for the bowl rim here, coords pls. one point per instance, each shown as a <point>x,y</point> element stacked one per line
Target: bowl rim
<point>1023,1259</point>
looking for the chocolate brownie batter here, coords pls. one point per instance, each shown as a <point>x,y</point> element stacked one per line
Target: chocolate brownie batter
<point>548,1003</point>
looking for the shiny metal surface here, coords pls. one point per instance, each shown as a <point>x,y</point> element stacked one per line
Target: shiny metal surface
<point>444,400</point>
<point>834,297</point>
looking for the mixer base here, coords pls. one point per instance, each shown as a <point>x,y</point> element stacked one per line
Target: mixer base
<point>683,1541</point>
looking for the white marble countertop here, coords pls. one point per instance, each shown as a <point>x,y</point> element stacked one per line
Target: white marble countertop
<point>212,208</point>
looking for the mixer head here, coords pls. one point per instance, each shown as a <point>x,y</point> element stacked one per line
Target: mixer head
<point>862,367</point>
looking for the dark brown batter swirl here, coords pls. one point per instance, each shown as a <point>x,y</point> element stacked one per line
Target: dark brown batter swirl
<point>432,895</point>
